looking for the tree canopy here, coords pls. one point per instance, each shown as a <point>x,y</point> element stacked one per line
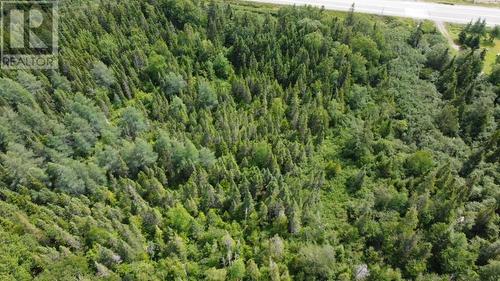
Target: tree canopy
<point>207,140</point>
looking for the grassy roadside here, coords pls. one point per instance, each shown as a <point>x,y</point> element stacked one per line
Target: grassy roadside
<point>493,48</point>
<point>272,8</point>
<point>453,29</point>
<point>259,7</point>
<point>493,51</point>
<point>254,7</point>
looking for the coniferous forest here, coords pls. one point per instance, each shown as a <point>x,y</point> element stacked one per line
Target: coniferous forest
<point>207,140</point>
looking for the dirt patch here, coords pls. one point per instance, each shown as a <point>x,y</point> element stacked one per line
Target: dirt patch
<point>442,28</point>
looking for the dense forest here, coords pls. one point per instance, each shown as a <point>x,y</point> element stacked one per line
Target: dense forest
<point>202,140</point>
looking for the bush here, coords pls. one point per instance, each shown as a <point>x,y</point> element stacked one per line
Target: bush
<point>419,163</point>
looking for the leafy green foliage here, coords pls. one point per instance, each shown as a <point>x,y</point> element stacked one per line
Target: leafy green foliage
<point>195,140</point>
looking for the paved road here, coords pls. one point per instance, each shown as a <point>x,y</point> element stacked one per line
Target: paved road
<point>401,8</point>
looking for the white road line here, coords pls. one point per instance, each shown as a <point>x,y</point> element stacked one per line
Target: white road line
<point>411,9</point>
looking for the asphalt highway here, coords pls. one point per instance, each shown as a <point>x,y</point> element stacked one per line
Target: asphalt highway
<point>400,8</point>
